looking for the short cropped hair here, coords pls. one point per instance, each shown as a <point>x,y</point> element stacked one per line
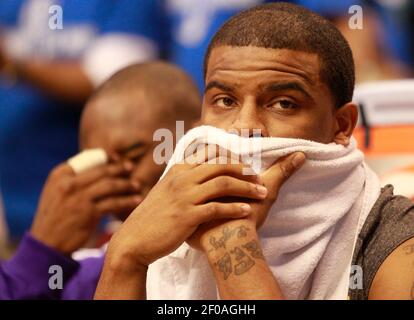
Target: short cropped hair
<point>169,88</point>
<point>283,25</point>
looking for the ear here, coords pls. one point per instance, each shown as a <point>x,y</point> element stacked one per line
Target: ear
<point>346,118</point>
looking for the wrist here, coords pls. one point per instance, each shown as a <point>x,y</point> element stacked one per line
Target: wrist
<point>220,239</point>
<point>122,261</point>
<point>47,241</point>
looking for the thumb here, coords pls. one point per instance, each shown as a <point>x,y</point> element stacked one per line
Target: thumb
<point>281,170</point>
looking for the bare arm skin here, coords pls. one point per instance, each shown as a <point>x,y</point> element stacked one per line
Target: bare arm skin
<point>395,278</point>
<point>233,247</point>
<point>121,278</point>
<point>61,80</point>
<point>240,269</point>
<point>170,213</point>
<point>173,211</point>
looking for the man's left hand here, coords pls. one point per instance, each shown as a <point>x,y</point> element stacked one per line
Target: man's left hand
<point>273,179</point>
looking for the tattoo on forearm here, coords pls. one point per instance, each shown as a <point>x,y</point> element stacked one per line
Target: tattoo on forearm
<point>409,249</point>
<point>224,265</point>
<point>242,232</point>
<point>244,262</point>
<point>227,233</point>
<point>239,260</point>
<point>254,250</point>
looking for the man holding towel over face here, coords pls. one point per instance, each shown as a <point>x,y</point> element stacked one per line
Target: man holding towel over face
<point>286,75</point>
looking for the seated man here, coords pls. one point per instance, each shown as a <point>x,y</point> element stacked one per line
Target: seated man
<point>120,118</point>
<point>288,73</point>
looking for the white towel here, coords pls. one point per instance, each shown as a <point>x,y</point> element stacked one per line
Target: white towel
<point>309,235</point>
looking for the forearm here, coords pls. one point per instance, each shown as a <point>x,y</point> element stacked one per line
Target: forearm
<point>121,280</point>
<point>62,80</point>
<point>240,269</point>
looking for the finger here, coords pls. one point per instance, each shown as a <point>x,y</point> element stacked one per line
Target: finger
<point>283,169</point>
<point>197,153</point>
<point>217,210</point>
<point>62,170</point>
<point>111,186</point>
<point>118,205</point>
<point>207,172</point>
<point>226,186</point>
<point>106,170</point>
<point>209,153</point>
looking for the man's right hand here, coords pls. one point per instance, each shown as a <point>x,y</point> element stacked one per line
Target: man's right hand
<point>71,205</point>
<point>185,198</point>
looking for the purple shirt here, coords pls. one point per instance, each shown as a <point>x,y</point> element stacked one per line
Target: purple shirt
<point>26,275</point>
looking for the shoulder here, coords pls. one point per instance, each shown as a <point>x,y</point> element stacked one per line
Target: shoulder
<point>382,242</point>
<point>395,277</point>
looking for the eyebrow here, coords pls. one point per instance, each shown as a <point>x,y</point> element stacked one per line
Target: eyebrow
<point>286,86</point>
<point>133,146</point>
<point>219,85</point>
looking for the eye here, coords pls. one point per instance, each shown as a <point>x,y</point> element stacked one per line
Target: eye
<point>225,102</point>
<point>284,104</point>
<point>135,156</point>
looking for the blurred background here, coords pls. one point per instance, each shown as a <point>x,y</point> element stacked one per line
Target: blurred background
<point>50,66</point>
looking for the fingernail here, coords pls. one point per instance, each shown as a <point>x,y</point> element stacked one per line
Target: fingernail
<point>245,208</point>
<point>138,199</point>
<point>262,191</point>
<point>298,159</point>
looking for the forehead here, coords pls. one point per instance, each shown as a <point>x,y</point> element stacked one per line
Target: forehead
<point>118,121</point>
<point>255,62</point>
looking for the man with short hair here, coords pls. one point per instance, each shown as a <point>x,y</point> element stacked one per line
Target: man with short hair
<point>121,118</point>
<point>283,70</point>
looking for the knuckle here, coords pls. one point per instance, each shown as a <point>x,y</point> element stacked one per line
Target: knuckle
<point>223,182</point>
<point>251,188</point>
<point>285,170</point>
<point>66,186</point>
<point>212,209</point>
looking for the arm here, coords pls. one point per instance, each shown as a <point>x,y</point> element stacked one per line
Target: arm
<point>395,278</point>
<point>240,269</point>
<point>121,278</point>
<point>169,215</point>
<point>26,275</point>
<point>233,248</point>
<point>62,80</point>
<point>69,210</point>
<point>72,205</point>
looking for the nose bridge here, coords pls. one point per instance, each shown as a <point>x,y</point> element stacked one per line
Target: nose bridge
<point>248,117</point>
